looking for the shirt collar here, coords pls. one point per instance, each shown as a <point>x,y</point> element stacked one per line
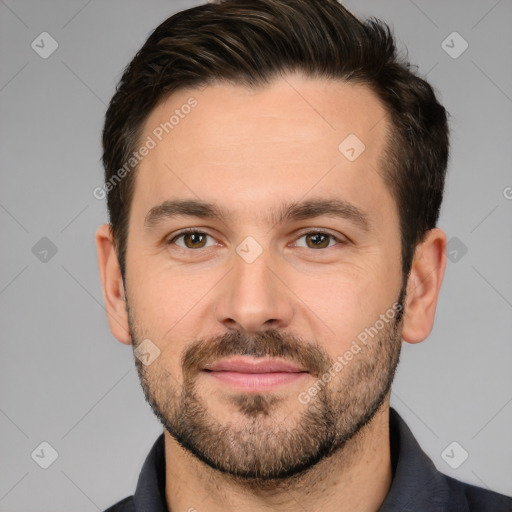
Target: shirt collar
<point>150,492</point>
<point>416,481</point>
<point>417,484</point>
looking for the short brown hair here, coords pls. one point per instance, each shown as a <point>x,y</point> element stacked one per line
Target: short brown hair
<point>251,42</point>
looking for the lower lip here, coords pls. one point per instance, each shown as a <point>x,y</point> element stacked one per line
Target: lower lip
<point>256,380</point>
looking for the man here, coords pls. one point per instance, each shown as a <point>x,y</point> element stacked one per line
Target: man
<point>274,177</point>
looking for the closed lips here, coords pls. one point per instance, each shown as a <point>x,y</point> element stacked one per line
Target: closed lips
<point>248,366</point>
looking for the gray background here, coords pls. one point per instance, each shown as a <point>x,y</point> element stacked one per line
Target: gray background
<point>65,380</point>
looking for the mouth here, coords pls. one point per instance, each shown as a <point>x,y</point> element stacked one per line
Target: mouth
<point>254,374</point>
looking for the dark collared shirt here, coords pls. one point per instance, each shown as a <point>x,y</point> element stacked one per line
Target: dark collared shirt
<point>417,485</point>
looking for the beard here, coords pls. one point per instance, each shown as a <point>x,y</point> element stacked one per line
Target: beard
<point>268,445</point>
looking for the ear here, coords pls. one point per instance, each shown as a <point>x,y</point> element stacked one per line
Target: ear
<point>112,283</point>
<point>424,285</point>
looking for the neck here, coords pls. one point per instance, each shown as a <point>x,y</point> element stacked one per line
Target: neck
<point>357,477</point>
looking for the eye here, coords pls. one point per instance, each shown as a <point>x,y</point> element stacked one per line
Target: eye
<point>192,239</point>
<point>318,240</point>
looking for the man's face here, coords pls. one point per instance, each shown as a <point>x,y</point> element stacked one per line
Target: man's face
<point>258,285</point>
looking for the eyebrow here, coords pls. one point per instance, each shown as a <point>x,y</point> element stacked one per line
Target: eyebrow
<point>292,211</point>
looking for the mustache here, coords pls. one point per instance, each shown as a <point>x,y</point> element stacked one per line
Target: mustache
<point>271,343</point>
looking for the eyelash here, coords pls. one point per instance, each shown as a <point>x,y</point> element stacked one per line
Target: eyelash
<point>196,231</point>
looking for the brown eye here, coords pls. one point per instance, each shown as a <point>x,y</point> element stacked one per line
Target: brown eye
<point>318,240</point>
<point>194,240</point>
<point>191,240</point>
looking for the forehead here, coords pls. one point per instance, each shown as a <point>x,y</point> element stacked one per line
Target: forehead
<point>231,143</point>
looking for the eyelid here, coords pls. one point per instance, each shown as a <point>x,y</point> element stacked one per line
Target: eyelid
<point>175,236</point>
<point>340,239</point>
<point>323,231</point>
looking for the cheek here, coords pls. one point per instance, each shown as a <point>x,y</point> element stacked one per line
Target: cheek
<point>169,302</point>
<point>153,300</point>
<point>343,303</point>
<point>360,285</point>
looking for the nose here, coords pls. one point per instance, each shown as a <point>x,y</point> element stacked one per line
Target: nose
<point>254,297</point>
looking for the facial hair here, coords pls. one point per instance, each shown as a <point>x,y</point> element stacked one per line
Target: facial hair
<point>266,447</point>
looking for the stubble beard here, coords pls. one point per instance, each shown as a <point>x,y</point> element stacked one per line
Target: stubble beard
<point>265,449</point>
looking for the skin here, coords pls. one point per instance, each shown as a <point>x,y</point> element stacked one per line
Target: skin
<point>251,151</point>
